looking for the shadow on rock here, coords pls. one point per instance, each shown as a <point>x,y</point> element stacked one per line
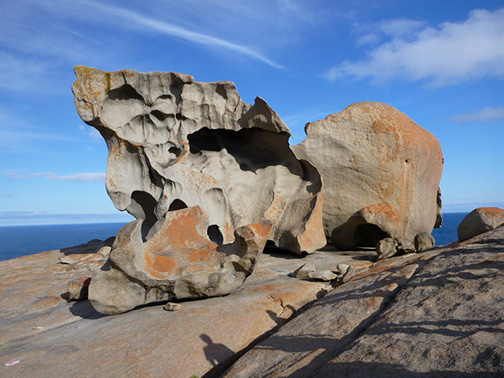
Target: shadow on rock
<point>85,310</point>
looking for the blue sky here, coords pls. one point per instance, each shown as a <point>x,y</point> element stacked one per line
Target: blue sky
<point>440,62</point>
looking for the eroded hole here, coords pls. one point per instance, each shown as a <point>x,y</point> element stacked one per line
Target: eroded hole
<point>214,234</point>
<point>159,115</point>
<point>175,151</point>
<point>126,92</point>
<point>177,204</point>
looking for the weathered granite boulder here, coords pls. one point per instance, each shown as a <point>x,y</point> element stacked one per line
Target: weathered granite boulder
<point>178,262</point>
<point>176,143</point>
<point>478,221</point>
<point>372,154</point>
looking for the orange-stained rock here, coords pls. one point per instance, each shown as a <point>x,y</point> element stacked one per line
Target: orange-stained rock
<point>178,262</point>
<point>369,154</point>
<point>478,221</point>
<point>176,143</point>
<point>368,226</point>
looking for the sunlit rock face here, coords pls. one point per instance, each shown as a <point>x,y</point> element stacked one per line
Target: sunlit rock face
<point>381,174</point>
<point>174,145</point>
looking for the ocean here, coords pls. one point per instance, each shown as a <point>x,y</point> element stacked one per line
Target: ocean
<point>16,241</point>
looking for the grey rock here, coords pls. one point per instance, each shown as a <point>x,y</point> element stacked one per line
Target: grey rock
<point>386,248</point>
<point>478,221</point>
<point>424,241</point>
<point>405,246</point>
<point>322,275</point>
<point>371,154</point>
<point>104,251</point>
<point>171,306</point>
<point>340,269</point>
<point>303,270</point>
<point>78,289</point>
<point>176,143</point>
<point>389,247</point>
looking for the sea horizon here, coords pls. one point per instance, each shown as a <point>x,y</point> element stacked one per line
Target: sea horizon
<point>23,240</point>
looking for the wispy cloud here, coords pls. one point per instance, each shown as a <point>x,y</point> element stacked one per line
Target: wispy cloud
<point>448,54</point>
<point>485,115</point>
<point>81,177</point>
<point>155,25</point>
<point>18,218</point>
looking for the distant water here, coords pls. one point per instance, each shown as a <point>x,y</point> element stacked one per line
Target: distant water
<point>448,232</point>
<point>16,241</point>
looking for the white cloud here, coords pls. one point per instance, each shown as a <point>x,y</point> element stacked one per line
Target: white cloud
<point>81,177</point>
<point>487,114</point>
<point>152,24</point>
<point>449,54</point>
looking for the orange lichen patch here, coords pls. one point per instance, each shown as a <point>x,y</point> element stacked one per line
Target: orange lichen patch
<point>385,209</point>
<point>95,83</point>
<point>181,230</point>
<point>202,255</point>
<point>261,229</point>
<point>159,266</point>
<point>492,211</point>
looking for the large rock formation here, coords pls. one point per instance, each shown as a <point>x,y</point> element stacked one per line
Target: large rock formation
<point>376,164</point>
<point>176,143</point>
<point>478,221</point>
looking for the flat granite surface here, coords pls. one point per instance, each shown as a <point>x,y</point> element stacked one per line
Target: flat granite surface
<point>50,336</point>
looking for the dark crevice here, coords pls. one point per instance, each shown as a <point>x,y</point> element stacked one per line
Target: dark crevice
<point>177,204</point>
<point>125,92</point>
<point>215,235</point>
<point>368,235</point>
<point>252,149</point>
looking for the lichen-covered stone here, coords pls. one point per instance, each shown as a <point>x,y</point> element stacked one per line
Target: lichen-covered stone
<point>178,262</point>
<point>176,143</point>
<point>371,153</point>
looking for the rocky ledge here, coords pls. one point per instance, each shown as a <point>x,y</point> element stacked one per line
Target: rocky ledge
<point>437,313</point>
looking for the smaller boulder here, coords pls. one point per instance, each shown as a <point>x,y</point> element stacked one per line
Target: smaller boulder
<point>304,270</point>
<point>424,241</point>
<point>389,247</point>
<point>386,248</point>
<point>78,289</point>
<point>322,275</point>
<point>479,221</point>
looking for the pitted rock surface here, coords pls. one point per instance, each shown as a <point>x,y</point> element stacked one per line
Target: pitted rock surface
<point>371,154</point>
<point>176,143</point>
